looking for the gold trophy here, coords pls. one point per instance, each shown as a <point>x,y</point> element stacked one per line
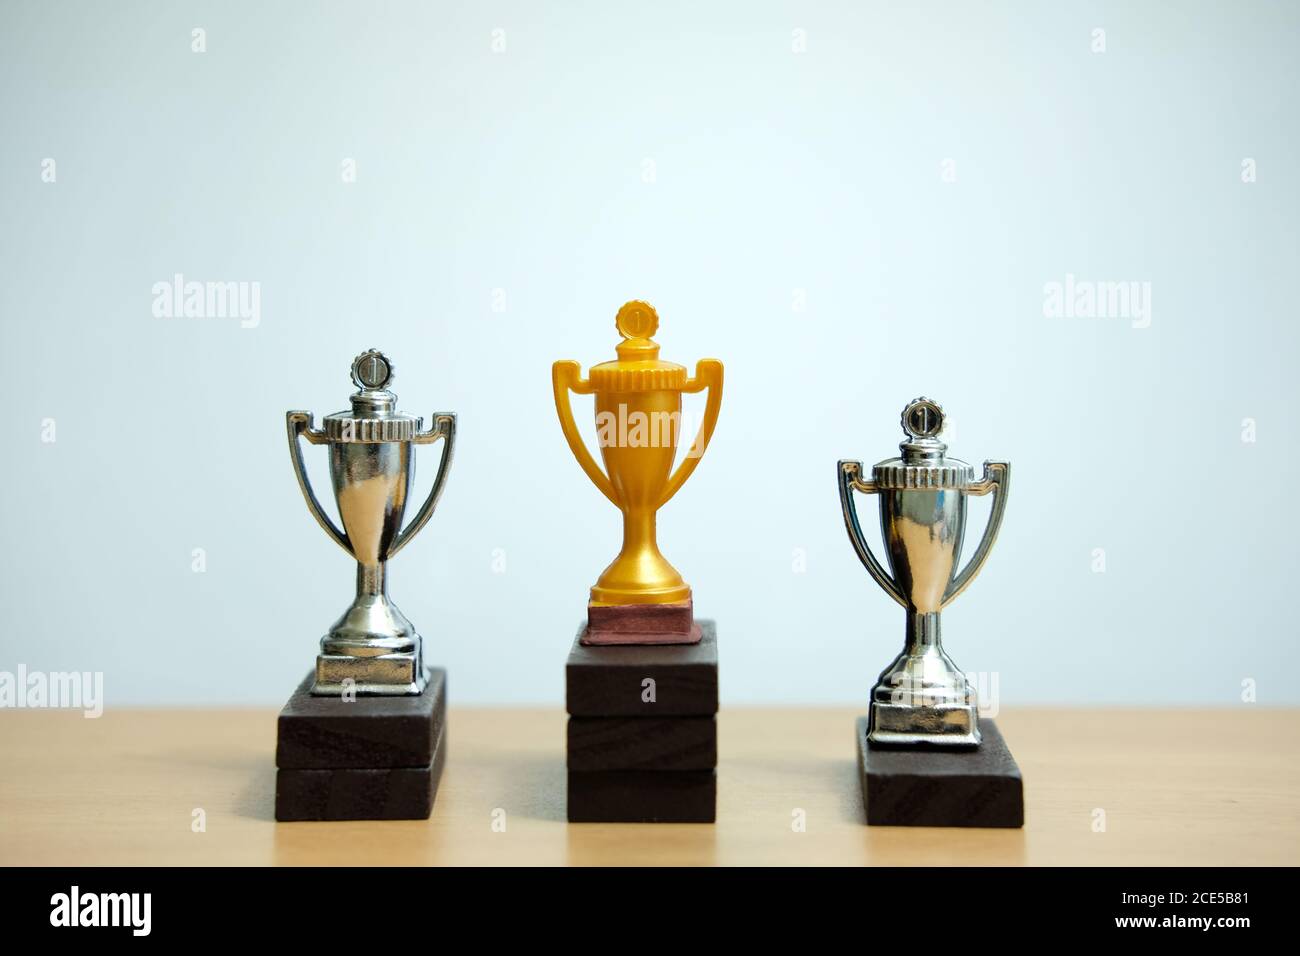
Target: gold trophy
<point>640,598</point>
<point>617,769</point>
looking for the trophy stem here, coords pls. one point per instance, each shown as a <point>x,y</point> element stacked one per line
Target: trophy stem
<point>922,698</point>
<point>640,574</point>
<point>372,579</point>
<point>923,631</point>
<point>372,648</point>
<point>639,531</point>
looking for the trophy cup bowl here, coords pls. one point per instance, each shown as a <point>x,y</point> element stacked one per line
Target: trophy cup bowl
<point>370,483</point>
<point>922,697</point>
<point>372,648</point>
<point>640,574</point>
<point>638,401</point>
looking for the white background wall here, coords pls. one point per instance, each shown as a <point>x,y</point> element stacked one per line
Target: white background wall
<point>780,177</point>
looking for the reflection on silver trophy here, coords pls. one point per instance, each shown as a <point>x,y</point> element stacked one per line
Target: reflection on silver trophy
<point>922,697</point>
<point>372,649</point>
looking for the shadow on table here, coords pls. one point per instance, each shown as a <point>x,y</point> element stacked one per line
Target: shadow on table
<point>256,801</point>
<point>255,797</point>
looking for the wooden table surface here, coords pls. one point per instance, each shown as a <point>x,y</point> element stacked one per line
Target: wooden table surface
<point>1175,787</point>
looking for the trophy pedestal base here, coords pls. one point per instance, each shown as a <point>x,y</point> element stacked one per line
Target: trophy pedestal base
<point>386,675</point>
<point>369,758</point>
<point>896,725</point>
<point>936,787</point>
<point>641,624</point>
<point>643,734</point>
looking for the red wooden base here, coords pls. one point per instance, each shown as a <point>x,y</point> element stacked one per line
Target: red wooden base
<point>641,624</point>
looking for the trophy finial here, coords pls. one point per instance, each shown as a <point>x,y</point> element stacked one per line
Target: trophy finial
<point>923,418</point>
<point>637,320</point>
<point>372,370</point>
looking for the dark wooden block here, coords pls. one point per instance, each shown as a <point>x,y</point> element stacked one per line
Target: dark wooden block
<point>609,681</point>
<point>643,796</point>
<point>368,733</point>
<point>641,624</point>
<point>390,793</point>
<point>932,787</point>
<point>643,743</point>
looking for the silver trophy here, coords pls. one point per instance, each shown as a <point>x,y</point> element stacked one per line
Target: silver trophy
<point>372,649</point>
<point>922,698</point>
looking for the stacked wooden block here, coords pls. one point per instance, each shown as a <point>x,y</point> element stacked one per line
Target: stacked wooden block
<point>643,733</point>
<point>368,758</point>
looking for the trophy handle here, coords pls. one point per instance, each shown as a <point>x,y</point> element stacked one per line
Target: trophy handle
<point>299,424</point>
<point>997,479</point>
<point>708,374</point>
<point>850,476</point>
<point>444,427</point>
<point>566,376</point>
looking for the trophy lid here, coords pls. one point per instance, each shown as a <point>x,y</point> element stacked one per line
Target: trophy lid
<point>923,464</point>
<point>638,367</point>
<point>374,416</point>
